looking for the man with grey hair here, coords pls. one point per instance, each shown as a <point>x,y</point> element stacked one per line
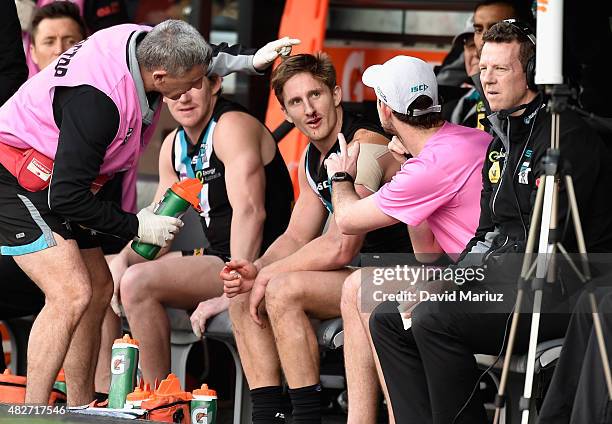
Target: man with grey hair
<point>80,122</point>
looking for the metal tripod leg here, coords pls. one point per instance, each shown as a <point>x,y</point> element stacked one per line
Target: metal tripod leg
<point>524,277</point>
<point>544,251</point>
<point>587,273</point>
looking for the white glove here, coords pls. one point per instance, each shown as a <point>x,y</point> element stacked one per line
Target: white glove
<point>156,229</point>
<point>268,53</point>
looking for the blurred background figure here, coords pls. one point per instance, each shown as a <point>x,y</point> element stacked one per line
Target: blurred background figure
<point>50,27</point>
<point>55,28</point>
<point>13,71</point>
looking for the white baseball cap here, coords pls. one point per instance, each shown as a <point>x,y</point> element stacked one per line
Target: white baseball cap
<point>399,81</point>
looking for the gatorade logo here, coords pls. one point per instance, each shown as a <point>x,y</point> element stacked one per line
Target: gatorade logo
<point>118,364</point>
<point>199,416</point>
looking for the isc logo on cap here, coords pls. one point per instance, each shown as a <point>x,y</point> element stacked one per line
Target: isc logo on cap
<point>420,87</point>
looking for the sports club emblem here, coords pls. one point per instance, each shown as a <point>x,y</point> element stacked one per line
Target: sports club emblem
<point>523,175</point>
<point>495,169</point>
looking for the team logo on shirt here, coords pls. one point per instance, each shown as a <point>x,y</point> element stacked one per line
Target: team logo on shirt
<point>207,175</point>
<point>495,169</point>
<point>523,175</point>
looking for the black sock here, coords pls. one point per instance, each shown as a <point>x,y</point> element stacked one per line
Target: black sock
<point>268,405</point>
<point>101,397</point>
<point>306,403</point>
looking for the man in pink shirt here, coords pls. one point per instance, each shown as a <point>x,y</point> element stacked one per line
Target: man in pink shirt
<point>436,193</point>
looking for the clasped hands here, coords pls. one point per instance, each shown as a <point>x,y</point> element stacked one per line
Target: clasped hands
<point>242,276</point>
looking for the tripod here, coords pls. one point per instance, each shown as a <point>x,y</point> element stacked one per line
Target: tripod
<point>545,212</point>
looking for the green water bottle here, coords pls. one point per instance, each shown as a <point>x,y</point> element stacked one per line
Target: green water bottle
<point>175,203</point>
<point>124,365</point>
<point>204,406</point>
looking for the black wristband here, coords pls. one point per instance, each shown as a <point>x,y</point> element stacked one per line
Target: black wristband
<point>342,176</point>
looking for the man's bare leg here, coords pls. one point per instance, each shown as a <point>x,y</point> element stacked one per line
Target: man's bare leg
<point>256,345</point>
<point>111,330</point>
<point>361,377</point>
<point>61,274</point>
<point>290,300</point>
<point>148,288</point>
<point>82,356</point>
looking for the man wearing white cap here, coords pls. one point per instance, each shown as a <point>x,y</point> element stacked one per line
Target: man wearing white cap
<point>436,193</point>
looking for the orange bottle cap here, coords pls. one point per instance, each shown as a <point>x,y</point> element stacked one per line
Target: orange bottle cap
<point>61,376</point>
<point>138,394</point>
<point>128,340</point>
<point>189,190</point>
<point>204,391</point>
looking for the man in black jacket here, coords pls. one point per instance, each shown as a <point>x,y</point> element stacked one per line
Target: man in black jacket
<point>450,333</point>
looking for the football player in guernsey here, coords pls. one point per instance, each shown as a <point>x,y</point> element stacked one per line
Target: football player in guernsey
<point>245,202</point>
<point>300,275</point>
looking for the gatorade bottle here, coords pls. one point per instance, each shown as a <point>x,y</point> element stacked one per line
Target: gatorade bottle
<point>175,203</point>
<point>60,382</point>
<point>124,364</point>
<point>204,406</point>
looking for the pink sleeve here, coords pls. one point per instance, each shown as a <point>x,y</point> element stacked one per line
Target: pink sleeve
<point>415,192</point>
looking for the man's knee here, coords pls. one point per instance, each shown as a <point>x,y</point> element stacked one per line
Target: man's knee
<point>134,285</point>
<point>73,299</point>
<point>427,318</point>
<point>351,292</point>
<point>283,291</point>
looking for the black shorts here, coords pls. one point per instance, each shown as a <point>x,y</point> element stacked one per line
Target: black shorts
<point>27,224</point>
<point>206,251</point>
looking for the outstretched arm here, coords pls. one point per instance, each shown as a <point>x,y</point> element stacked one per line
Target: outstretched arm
<point>227,59</point>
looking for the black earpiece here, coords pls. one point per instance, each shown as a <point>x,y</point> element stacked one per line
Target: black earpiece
<point>526,31</point>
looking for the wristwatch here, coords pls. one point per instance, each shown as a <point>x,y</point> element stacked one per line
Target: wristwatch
<point>342,176</point>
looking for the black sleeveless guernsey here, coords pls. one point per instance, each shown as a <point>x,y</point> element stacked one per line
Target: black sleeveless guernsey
<point>389,239</point>
<point>200,161</point>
